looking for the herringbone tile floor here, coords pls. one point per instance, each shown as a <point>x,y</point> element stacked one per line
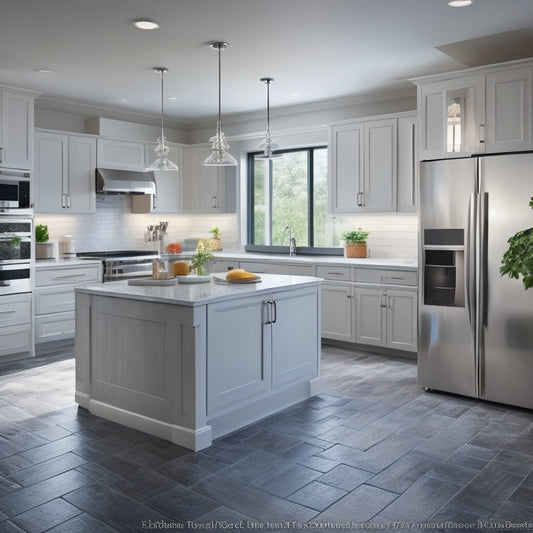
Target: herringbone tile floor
<point>373,450</point>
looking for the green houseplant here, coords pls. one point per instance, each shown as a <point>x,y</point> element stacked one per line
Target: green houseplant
<point>41,233</point>
<point>518,259</point>
<point>215,244</point>
<point>200,258</point>
<point>355,242</point>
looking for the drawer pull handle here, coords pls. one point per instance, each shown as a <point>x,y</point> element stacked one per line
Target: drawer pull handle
<point>9,312</point>
<point>70,276</point>
<point>335,274</point>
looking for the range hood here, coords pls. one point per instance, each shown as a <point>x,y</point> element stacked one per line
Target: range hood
<point>112,181</point>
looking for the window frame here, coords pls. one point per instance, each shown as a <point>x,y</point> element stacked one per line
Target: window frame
<point>268,248</point>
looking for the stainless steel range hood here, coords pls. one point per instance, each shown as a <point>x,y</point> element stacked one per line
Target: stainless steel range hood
<point>112,181</point>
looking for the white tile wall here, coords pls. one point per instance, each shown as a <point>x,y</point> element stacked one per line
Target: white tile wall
<point>115,227</point>
<point>391,236</point>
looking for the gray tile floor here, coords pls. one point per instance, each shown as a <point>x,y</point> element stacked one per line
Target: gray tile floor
<point>374,449</point>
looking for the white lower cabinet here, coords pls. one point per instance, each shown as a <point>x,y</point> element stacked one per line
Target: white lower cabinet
<point>15,325</point>
<point>338,311</point>
<point>55,298</point>
<point>276,268</point>
<point>255,345</point>
<point>386,317</point>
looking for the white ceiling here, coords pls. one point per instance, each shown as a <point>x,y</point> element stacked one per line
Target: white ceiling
<point>320,49</point>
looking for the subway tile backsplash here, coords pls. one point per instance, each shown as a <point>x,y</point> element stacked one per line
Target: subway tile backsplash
<point>115,227</point>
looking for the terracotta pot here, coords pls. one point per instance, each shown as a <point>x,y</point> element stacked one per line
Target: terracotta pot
<point>355,250</point>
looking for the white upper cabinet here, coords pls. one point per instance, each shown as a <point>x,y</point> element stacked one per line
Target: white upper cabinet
<point>16,130</point>
<point>482,110</point>
<point>168,183</point>
<point>64,173</point>
<point>508,113</point>
<point>380,176</point>
<point>452,117</point>
<point>204,188</point>
<point>121,155</point>
<point>363,166</point>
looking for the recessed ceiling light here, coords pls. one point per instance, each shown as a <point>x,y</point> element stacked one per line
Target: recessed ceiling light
<point>294,95</point>
<point>42,70</point>
<point>172,97</point>
<point>460,3</point>
<point>146,24</point>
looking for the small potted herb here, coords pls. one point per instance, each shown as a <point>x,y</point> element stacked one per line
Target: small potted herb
<point>10,248</point>
<point>215,245</point>
<point>355,242</point>
<point>43,248</point>
<point>518,259</point>
<point>200,258</point>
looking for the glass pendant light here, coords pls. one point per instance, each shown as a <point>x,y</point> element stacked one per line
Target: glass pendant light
<point>219,156</point>
<point>162,163</point>
<point>267,146</point>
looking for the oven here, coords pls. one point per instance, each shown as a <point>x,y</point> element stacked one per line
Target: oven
<point>16,253</point>
<point>123,264</point>
<point>14,191</point>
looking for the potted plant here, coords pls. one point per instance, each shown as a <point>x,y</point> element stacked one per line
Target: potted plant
<point>10,248</point>
<point>200,258</point>
<point>215,245</point>
<point>355,242</point>
<point>43,248</point>
<point>518,259</point>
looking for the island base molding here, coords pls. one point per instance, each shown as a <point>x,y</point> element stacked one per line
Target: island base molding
<point>193,439</point>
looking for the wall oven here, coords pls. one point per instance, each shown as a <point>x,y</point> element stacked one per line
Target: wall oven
<point>16,253</point>
<point>14,191</point>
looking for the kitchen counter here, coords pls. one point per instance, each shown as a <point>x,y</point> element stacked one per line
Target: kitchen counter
<point>196,294</point>
<point>64,262</point>
<point>327,260</point>
<point>189,363</point>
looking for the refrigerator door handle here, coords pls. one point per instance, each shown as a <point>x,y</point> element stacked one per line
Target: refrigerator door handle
<point>470,277</point>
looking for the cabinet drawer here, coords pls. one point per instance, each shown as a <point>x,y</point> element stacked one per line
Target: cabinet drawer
<point>15,339</point>
<point>63,276</point>
<point>334,273</point>
<point>54,327</point>
<point>54,300</point>
<point>15,309</point>
<point>387,277</point>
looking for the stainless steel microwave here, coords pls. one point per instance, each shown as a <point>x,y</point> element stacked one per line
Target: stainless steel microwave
<point>14,189</point>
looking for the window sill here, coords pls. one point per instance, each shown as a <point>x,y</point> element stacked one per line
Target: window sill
<point>300,250</point>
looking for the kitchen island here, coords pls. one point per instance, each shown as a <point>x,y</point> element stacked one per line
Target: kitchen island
<point>192,362</point>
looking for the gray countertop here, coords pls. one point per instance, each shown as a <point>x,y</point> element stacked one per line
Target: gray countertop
<point>65,262</point>
<point>191,295</point>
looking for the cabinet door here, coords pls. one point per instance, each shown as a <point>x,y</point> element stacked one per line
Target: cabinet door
<point>81,176</point>
<point>338,311</point>
<point>407,164</point>
<point>238,352</point>
<point>452,117</point>
<point>204,188</point>
<point>346,167</point>
<point>295,344</point>
<point>402,319</point>
<point>380,176</point>
<point>370,316</point>
<point>51,172</point>
<point>17,130</point>
<point>122,155</point>
<point>508,112</point>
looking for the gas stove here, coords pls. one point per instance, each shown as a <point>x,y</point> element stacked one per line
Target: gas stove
<point>123,264</point>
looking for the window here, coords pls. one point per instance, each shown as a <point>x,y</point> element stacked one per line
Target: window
<point>288,192</point>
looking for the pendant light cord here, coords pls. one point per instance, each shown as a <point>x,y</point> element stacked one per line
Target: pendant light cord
<point>219,128</point>
<point>162,99</point>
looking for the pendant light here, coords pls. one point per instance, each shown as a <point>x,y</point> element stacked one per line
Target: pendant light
<point>162,149</point>
<point>219,156</point>
<point>267,146</point>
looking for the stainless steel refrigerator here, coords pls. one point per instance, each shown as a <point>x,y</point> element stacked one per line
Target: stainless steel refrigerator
<point>475,326</point>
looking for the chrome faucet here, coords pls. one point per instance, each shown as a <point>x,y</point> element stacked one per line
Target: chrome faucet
<point>292,242</point>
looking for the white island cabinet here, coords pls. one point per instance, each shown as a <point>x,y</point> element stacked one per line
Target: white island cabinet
<point>192,362</point>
